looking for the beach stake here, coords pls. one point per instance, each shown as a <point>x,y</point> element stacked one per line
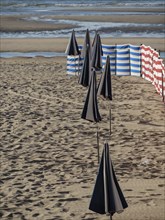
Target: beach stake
<point>162,88</point>
<point>140,61</point>
<point>115,59</point>
<point>75,67</point>
<point>105,89</point>
<point>78,64</point>
<point>90,110</point>
<point>98,153</point>
<point>129,50</point>
<point>110,130</point>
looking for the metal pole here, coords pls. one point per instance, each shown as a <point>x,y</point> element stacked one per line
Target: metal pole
<point>115,59</point>
<point>129,50</point>
<point>98,143</point>
<point>78,64</point>
<point>75,65</point>
<point>140,61</point>
<point>110,130</point>
<point>162,88</point>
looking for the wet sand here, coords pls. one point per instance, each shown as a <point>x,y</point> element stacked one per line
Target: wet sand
<point>59,44</point>
<point>18,24</point>
<point>21,23</point>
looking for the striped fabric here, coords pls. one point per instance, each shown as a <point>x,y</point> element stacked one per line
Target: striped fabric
<point>153,69</point>
<point>159,76</point>
<point>74,64</point>
<point>147,62</point>
<point>125,59</point>
<point>135,60</point>
<point>111,51</point>
<point>122,60</point>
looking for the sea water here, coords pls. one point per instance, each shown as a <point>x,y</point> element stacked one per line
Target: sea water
<point>27,6</point>
<point>38,10</point>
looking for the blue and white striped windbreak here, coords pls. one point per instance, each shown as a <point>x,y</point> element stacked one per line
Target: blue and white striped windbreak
<point>74,63</point>
<point>124,60</point>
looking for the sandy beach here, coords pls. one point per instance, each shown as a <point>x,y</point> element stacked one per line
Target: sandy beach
<point>49,154</point>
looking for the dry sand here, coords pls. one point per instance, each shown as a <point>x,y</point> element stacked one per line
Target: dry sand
<point>49,155</point>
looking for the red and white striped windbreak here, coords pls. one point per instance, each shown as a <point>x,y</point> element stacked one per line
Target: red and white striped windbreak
<point>152,68</point>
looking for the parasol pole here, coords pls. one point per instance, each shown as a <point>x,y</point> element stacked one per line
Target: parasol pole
<point>98,143</point>
<point>78,64</point>
<point>110,129</point>
<point>163,89</point>
<point>75,66</point>
<point>110,216</point>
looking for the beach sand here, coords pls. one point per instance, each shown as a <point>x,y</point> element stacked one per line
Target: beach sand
<point>49,154</point>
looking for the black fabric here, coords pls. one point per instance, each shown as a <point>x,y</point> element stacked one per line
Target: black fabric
<point>87,43</point>
<point>90,110</point>
<point>72,47</point>
<point>85,74</point>
<point>105,85</point>
<point>106,181</point>
<point>97,52</point>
